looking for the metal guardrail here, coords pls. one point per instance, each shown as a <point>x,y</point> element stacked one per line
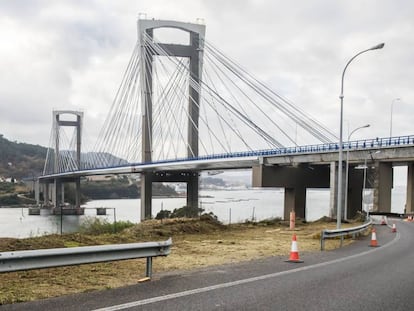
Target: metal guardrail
<point>326,234</point>
<point>57,257</point>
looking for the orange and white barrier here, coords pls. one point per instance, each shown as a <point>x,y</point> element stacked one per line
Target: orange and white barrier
<point>294,252</point>
<point>374,242</point>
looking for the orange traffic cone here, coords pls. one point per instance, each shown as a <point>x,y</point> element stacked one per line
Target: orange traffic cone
<point>374,238</point>
<point>393,229</point>
<point>383,223</point>
<point>294,253</point>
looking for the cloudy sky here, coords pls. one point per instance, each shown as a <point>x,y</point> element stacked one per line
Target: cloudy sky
<point>71,55</point>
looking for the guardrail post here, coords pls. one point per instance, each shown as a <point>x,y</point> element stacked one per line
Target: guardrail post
<point>149,267</point>
<point>322,241</point>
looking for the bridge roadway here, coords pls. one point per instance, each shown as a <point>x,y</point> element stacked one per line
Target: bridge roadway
<point>399,150</point>
<point>355,277</point>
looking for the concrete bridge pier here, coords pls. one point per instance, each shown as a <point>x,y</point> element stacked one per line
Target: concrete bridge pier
<point>37,191</point>
<point>383,183</point>
<point>333,185</point>
<point>193,189</point>
<point>295,179</point>
<point>409,206</point>
<point>46,197</point>
<point>58,193</point>
<point>54,187</point>
<point>77,193</point>
<point>295,200</point>
<point>355,188</point>
<point>146,195</point>
<point>191,178</point>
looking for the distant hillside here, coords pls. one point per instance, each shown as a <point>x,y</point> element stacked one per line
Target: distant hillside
<point>18,160</point>
<point>21,160</point>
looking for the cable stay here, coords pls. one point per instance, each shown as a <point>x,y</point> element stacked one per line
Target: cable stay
<point>236,112</point>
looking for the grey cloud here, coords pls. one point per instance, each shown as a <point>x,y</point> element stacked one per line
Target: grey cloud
<point>299,49</point>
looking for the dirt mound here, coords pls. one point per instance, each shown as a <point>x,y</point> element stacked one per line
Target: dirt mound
<point>175,226</point>
<point>12,244</point>
<point>325,219</point>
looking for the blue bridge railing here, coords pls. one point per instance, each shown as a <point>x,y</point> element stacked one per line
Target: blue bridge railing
<point>363,144</point>
<point>375,143</point>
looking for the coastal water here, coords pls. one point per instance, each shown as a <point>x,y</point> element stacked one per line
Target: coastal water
<point>228,205</point>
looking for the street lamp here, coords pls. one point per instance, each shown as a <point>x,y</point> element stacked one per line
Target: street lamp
<point>339,203</point>
<point>347,169</point>
<point>392,106</point>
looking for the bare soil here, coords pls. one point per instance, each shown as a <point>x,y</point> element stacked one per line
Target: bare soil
<point>196,243</point>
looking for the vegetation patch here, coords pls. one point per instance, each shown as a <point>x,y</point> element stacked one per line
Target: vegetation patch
<point>96,226</point>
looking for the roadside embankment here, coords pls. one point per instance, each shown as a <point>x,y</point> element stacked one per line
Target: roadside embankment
<point>196,243</point>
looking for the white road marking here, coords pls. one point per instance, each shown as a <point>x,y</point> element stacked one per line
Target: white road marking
<point>239,282</point>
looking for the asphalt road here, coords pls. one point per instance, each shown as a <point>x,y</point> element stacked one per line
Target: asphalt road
<point>356,277</point>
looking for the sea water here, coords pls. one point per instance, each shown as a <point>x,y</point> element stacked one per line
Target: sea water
<point>230,206</point>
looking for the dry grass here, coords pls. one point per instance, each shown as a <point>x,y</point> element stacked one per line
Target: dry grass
<point>195,244</point>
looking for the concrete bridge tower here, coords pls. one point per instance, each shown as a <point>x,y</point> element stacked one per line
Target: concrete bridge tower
<point>58,186</point>
<point>193,51</point>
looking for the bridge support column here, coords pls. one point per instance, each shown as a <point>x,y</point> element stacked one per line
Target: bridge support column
<point>295,200</point>
<point>409,206</point>
<point>355,186</point>
<point>37,191</point>
<point>192,190</point>
<point>295,180</point>
<point>62,192</point>
<point>146,196</point>
<point>333,183</point>
<point>55,190</point>
<point>58,193</point>
<point>382,187</point>
<point>77,193</point>
<point>46,197</point>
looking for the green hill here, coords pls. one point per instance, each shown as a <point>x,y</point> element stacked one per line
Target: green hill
<point>20,160</point>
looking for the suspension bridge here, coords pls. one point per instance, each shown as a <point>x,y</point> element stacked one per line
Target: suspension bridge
<point>184,108</point>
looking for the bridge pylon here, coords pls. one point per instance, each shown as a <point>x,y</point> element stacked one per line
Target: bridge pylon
<point>193,51</point>
<point>56,192</point>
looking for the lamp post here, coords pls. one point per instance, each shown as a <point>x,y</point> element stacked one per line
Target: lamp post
<point>341,96</point>
<point>392,106</point>
<point>347,169</point>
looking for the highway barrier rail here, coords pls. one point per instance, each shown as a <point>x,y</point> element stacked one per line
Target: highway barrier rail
<point>57,257</point>
<point>327,234</point>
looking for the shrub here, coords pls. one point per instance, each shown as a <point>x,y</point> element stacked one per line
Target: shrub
<point>96,226</point>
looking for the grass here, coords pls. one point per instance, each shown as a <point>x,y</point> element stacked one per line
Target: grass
<point>196,243</point>
<point>96,226</point>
